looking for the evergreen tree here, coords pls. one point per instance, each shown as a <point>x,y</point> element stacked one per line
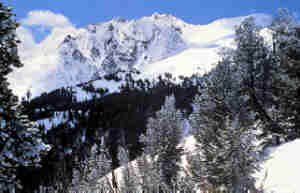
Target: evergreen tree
<point>253,88</point>
<point>148,176</point>
<point>285,76</point>
<point>20,142</point>
<point>161,141</point>
<point>223,125</point>
<point>256,62</point>
<point>89,174</point>
<point>129,182</point>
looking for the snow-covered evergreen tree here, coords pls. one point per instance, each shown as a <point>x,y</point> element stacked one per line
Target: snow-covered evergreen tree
<point>253,87</point>
<point>129,181</point>
<point>255,61</point>
<point>223,125</point>
<point>148,176</point>
<point>86,177</point>
<point>161,141</point>
<point>226,153</point>
<point>20,141</point>
<point>285,73</point>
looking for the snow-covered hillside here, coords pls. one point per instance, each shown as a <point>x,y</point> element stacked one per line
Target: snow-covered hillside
<point>280,172</point>
<point>155,44</point>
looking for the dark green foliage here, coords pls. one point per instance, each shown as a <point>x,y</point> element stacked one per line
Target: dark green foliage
<point>20,142</point>
<point>8,59</point>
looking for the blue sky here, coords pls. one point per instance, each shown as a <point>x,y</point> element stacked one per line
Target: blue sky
<point>82,13</point>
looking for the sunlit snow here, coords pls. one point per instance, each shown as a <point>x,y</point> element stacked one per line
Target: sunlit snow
<point>281,171</point>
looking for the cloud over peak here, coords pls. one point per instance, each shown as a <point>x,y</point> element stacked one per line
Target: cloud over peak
<point>46,18</point>
<point>39,57</point>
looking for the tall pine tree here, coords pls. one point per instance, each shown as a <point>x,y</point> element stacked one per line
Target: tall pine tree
<point>161,141</point>
<point>223,124</point>
<point>20,142</point>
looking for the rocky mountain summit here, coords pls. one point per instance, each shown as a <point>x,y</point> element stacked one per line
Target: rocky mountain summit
<point>119,44</point>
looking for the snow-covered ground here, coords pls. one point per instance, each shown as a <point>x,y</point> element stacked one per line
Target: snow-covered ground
<point>280,173</point>
<point>186,63</point>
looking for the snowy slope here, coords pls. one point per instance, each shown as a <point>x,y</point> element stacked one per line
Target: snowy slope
<point>280,169</point>
<point>187,62</point>
<point>155,44</point>
<point>280,173</point>
<point>188,143</point>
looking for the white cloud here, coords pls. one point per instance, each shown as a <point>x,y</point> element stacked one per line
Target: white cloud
<point>41,58</point>
<point>46,18</point>
<point>27,42</point>
<point>26,37</point>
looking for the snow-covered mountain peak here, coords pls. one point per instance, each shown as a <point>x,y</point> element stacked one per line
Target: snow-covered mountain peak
<point>153,44</point>
<point>119,44</point>
<point>168,19</point>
